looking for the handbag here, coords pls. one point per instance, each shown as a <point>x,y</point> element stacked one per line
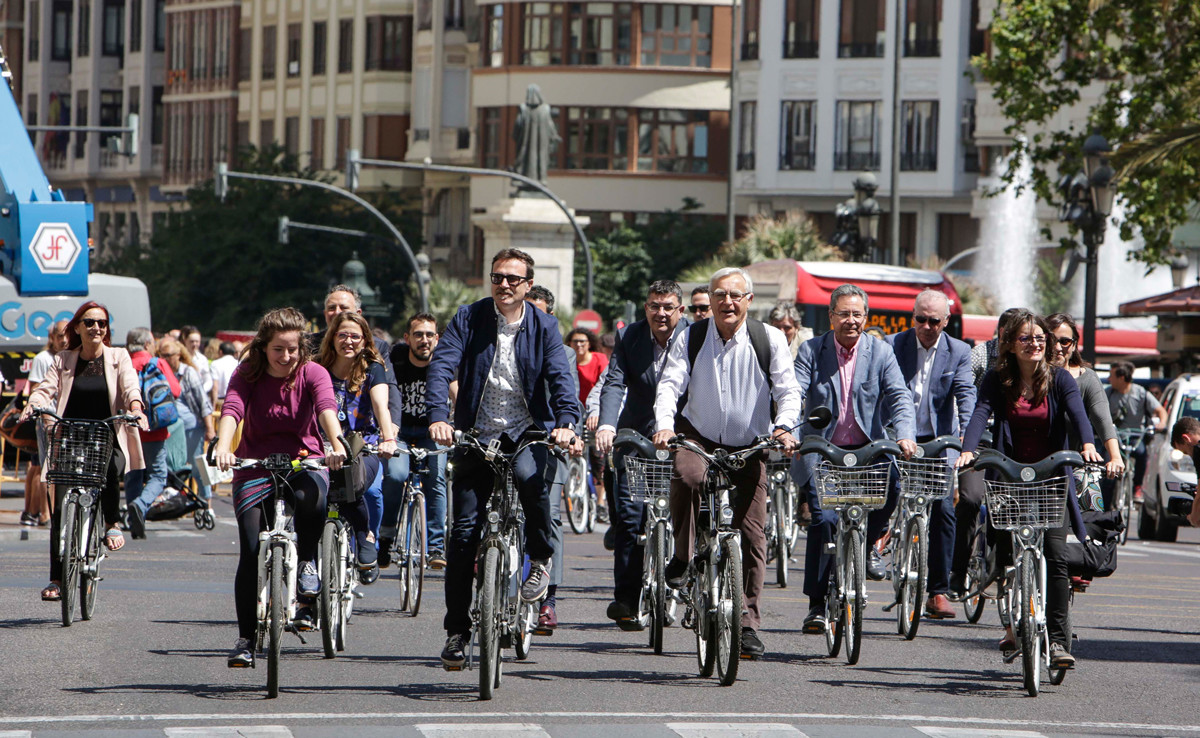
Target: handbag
<point>346,485</point>
<point>21,435</point>
<point>1098,557</point>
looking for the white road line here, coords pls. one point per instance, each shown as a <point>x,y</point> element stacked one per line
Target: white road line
<point>253,731</point>
<point>446,730</point>
<point>934,732</point>
<point>1134,554</point>
<point>176,533</point>
<point>735,730</point>
<point>1171,551</point>
<point>16,734</point>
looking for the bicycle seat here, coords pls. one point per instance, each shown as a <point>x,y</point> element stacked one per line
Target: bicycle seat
<point>849,457</point>
<point>1015,471</point>
<point>934,448</point>
<point>627,437</point>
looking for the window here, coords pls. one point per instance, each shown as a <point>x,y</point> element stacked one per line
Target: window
<point>318,67</point>
<point>389,40</point>
<point>977,43</point>
<point>597,138</point>
<point>490,136</point>
<point>31,118</point>
<point>83,45</point>
<point>266,132</point>
<point>268,52</point>
<point>862,31</point>
<point>160,25</point>
<point>156,116</point>
<point>750,14</point>
<point>800,30</point>
<point>343,142</point>
<point>60,31</point>
<point>199,34</point>
<point>111,105</point>
<point>456,20</point>
<point>918,136</point>
<point>291,135</point>
<point>222,39</point>
<point>424,15</point>
<point>673,141</point>
<point>135,100</point>
<point>81,119</point>
<point>113,32</point>
<point>747,113</point>
<point>493,36</point>
<point>856,144</point>
<point>542,41</point>
<point>385,137</point>
<point>345,46</point>
<point>677,35</point>
<point>293,50</point>
<point>599,34</point>
<point>245,46</point>
<point>316,145</point>
<point>970,150</point>
<point>135,26</point>
<point>923,28</point>
<point>35,26</point>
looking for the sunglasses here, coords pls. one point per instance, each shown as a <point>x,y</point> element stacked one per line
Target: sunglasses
<point>699,308</point>
<point>1066,342</point>
<point>512,279</point>
<point>1035,340</point>
<point>923,319</point>
<point>92,322</point>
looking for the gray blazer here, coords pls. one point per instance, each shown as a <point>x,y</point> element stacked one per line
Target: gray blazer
<point>951,383</point>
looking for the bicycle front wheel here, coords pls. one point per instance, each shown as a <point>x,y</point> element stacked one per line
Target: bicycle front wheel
<point>404,549</point>
<point>783,529</point>
<point>835,614</point>
<point>658,613</point>
<point>1030,606</point>
<point>349,576</point>
<point>328,604</point>
<point>72,553</point>
<point>1127,506</point>
<point>728,620</point>
<point>576,493</point>
<point>89,576</point>
<point>915,563</point>
<point>977,570</point>
<point>854,577</point>
<point>489,624</point>
<point>278,613</point>
<point>414,560</point>
<point>706,643</point>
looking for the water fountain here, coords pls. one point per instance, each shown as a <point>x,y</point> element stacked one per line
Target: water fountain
<point>1008,236</point>
<point>1121,280</point>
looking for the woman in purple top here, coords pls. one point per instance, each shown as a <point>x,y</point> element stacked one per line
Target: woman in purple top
<point>282,398</point>
<point>1034,405</point>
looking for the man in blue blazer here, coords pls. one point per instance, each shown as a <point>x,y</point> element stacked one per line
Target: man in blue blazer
<point>937,370</point>
<point>513,376</point>
<point>857,378</point>
<point>627,401</point>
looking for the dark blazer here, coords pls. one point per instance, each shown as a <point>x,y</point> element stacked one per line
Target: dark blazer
<point>951,383</point>
<point>466,350</point>
<point>632,368</point>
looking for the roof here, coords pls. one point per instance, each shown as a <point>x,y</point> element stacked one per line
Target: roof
<point>855,271</point>
<point>1110,342</point>
<point>1176,302</point>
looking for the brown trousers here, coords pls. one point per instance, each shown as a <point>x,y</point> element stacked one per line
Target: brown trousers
<point>749,514</point>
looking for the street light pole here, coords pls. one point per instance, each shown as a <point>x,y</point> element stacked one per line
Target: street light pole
<point>897,111</point>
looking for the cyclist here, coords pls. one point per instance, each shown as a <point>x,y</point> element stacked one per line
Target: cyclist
<point>1035,406</point>
<point>410,361</point>
<point>858,378</point>
<point>627,401</point>
<point>733,388</point>
<point>286,401</point>
<point>1132,407</point>
<point>590,363</point>
<point>937,370</point>
<point>513,376</point>
<point>91,379</point>
<point>360,388</point>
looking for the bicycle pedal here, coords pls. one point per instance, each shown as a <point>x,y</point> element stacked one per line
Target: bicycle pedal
<point>889,608</point>
<point>452,668</point>
<point>1011,656</point>
<point>543,631</point>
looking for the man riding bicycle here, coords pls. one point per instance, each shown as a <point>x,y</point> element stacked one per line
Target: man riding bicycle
<point>1132,408</point>
<point>738,366</point>
<point>513,376</point>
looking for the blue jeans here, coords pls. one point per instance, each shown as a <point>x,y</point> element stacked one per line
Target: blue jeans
<point>628,518</point>
<point>143,486</point>
<point>195,446</point>
<point>433,485</point>
<point>373,496</point>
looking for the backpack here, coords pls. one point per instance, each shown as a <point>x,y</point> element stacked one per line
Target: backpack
<point>157,396</point>
<point>758,341</point>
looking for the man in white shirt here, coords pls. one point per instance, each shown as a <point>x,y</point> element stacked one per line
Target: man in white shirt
<point>732,407</point>
<point>223,368</point>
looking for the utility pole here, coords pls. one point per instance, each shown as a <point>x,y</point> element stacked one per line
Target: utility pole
<point>897,110</point>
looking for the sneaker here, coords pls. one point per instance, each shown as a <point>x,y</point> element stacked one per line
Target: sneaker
<point>308,582</point>
<point>437,559</point>
<point>537,582</point>
<point>676,573</point>
<point>752,645</point>
<point>453,655</point>
<point>1137,498</point>
<point>28,519</point>
<point>1060,658</point>
<point>304,621</point>
<point>385,552</point>
<point>241,657</point>
<point>815,622</point>
<point>610,539</point>
<point>602,515</point>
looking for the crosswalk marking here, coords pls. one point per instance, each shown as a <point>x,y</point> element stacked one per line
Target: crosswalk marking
<point>448,730</point>
<point>16,733</point>
<point>176,534</point>
<point>249,731</point>
<point>935,732</point>
<point>735,730</point>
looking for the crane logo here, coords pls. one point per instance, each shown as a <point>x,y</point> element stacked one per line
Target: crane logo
<point>55,248</point>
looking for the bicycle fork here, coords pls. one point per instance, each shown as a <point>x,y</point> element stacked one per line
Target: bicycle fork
<point>1017,612</point>
<point>851,520</point>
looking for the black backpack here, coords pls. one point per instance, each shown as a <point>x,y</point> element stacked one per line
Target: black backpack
<point>758,341</point>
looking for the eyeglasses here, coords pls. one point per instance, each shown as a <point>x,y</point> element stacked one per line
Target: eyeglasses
<point>422,334</point>
<point>658,307</point>
<point>849,315</point>
<point>923,319</point>
<point>92,322</point>
<point>350,337</point>
<point>1035,340</point>
<point>735,295</point>
<point>512,279</point>
<point>693,309</point>
<point>1066,342</point>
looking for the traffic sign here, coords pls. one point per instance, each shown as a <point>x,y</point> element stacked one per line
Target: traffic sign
<point>589,319</point>
<point>55,248</point>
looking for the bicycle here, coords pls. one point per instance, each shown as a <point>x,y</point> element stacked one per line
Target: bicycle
<point>1130,439</point>
<point>1028,500</point>
<point>337,566</point>
<point>278,565</point>
<point>411,547</point>
<point>713,593</point>
<point>581,507</point>
<point>925,479</point>
<point>850,482</point>
<point>498,621</point>
<point>649,473</point>
<point>78,454</point>
<point>782,530</point>
<point>981,563</point>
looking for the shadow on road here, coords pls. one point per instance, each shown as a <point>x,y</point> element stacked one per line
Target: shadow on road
<point>1133,651</point>
<point>31,623</point>
<point>956,682</point>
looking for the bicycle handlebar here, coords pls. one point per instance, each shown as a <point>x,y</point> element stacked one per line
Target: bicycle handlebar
<point>1016,471</point>
<point>935,447</point>
<point>121,417</point>
<point>732,460</point>
<point>469,440</point>
<point>631,438</point>
<point>839,456</point>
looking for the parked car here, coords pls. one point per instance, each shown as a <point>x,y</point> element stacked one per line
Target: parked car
<point>1167,469</point>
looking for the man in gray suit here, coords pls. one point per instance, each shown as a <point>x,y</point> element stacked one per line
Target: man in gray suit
<point>937,370</point>
<point>858,379</point>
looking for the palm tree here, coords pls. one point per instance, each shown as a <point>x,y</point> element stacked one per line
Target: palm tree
<point>793,236</point>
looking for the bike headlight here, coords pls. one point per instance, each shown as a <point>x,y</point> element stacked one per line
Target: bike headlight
<point>726,515</point>
<point>1025,533</point>
<point>779,476</point>
<point>661,502</point>
<point>493,517</point>
<point>854,512</point>
<point>85,499</point>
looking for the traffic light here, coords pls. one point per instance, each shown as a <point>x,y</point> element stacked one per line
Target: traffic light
<point>352,157</point>
<point>221,181</point>
<point>283,229</point>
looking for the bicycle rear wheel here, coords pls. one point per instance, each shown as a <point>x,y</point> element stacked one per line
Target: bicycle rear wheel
<point>89,576</point>
<point>405,549</point>
<point>783,528</point>
<point>527,615</point>
<point>658,612</point>
<point>835,614</point>
<point>1030,607</point>
<point>329,601</point>
<point>489,624</point>
<point>414,561</point>
<point>278,610</point>
<point>728,620</point>
<point>576,493</point>
<point>856,594</point>
<point>1127,506</point>
<point>915,561</point>
<point>72,553</point>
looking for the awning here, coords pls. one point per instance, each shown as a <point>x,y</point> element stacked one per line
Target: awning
<point>1110,342</point>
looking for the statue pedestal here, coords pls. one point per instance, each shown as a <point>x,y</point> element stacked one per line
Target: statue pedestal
<point>538,227</point>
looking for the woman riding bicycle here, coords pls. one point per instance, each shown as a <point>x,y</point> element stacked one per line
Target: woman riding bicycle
<point>282,397</point>
<point>360,389</point>
<point>1035,406</point>
<point>91,380</point>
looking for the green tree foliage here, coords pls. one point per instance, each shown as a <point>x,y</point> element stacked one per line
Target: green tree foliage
<point>622,270</point>
<point>1052,295</point>
<point>677,239</point>
<point>220,265</point>
<point>1143,59</point>
<point>792,236</point>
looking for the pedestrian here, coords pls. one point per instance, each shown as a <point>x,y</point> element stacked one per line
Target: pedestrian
<point>196,408</point>
<point>589,364</point>
<point>192,339</point>
<point>786,318</point>
<point>222,369</point>
<point>143,486</point>
<point>37,499</point>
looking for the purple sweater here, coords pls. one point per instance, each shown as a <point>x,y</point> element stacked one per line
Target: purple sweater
<point>279,420</point>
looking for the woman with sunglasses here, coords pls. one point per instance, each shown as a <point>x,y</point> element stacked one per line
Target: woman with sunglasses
<point>360,389</point>
<point>1036,407</point>
<point>92,380</point>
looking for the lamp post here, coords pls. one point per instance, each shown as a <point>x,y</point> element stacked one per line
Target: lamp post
<point>858,221</point>
<point>1087,203</point>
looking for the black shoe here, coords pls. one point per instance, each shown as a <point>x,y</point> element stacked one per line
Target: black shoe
<point>1060,657</point>
<point>676,573</point>
<point>875,568</point>
<point>453,656</point>
<point>752,645</point>
<point>370,575</point>
<point>385,552</point>
<point>815,622</point>
<point>304,619</point>
<point>137,522</point>
<point>618,610</point>
<point>610,539</point>
<point>958,588</point>
<point>241,657</point>
<point>367,555</point>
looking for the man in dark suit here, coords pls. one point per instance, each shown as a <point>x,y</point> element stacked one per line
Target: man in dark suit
<point>627,401</point>
<point>857,378</point>
<point>937,370</point>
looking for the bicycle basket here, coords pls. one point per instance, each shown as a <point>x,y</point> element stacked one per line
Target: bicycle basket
<point>78,452</point>
<point>1038,504</point>
<point>931,477</point>
<point>852,485</point>
<point>648,478</point>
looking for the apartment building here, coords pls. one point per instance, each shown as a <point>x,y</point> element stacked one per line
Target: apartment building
<point>12,39</point>
<point>815,102</point>
<point>93,62</point>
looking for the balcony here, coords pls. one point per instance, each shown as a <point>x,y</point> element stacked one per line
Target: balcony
<point>745,161</point>
<point>749,50</point>
<point>927,47</point>
<point>420,134</point>
<point>848,161</point>
<point>109,159</point>
<point>794,161</point>
<point>918,161</point>
<point>855,50</point>
<point>800,49</point>
<point>156,155</point>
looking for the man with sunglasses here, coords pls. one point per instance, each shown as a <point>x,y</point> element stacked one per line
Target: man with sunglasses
<point>512,376</point>
<point>937,370</point>
<point>701,306</point>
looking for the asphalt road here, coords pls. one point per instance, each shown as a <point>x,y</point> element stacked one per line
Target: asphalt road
<point>152,662</point>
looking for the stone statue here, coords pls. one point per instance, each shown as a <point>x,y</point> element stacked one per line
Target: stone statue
<point>536,135</point>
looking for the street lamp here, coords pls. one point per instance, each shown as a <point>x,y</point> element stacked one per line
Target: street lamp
<point>1087,202</point>
<point>858,220</point>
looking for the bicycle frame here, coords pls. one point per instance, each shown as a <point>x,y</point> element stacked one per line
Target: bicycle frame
<point>267,541</point>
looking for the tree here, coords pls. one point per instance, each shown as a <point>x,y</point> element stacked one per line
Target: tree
<point>1051,294</point>
<point>220,265</point>
<point>793,236</point>
<point>622,270</point>
<point>1143,58</point>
